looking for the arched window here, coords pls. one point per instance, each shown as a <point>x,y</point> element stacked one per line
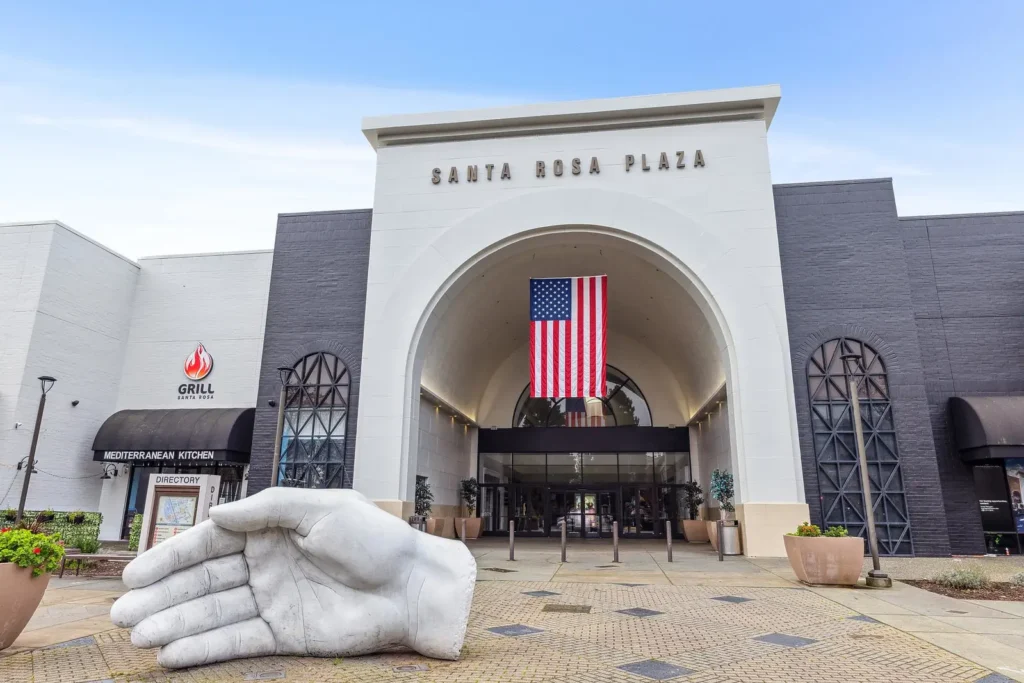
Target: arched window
<point>835,444</point>
<point>315,424</point>
<point>623,405</point>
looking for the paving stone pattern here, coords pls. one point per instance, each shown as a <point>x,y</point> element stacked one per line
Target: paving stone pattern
<point>777,635</point>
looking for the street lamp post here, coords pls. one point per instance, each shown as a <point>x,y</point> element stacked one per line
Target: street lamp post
<point>284,373</point>
<point>876,577</point>
<point>45,382</point>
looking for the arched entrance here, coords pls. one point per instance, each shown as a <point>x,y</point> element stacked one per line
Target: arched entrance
<point>455,323</point>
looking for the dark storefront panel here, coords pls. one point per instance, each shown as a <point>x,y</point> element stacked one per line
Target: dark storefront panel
<point>537,491</point>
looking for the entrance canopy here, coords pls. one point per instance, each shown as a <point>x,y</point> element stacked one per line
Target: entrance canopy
<point>176,436</point>
<point>988,427</point>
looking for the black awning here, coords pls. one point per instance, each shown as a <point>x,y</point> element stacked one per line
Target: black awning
<point>182,435</point>
<point>988,427</point>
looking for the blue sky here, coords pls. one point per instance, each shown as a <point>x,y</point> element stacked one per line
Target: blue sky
<point>188,127</point>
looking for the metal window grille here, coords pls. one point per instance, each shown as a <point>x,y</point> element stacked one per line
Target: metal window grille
<point>624,404</point>
<point>315,424</point>
<point>835,446</point>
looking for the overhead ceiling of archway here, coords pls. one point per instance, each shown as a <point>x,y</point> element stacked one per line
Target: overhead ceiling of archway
<point>488,318</point>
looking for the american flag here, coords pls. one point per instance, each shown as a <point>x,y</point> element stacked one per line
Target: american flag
<point>568,325</point>
<point>576,410</point>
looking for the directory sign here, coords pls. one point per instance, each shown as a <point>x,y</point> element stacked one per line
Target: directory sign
<point>174,504</point>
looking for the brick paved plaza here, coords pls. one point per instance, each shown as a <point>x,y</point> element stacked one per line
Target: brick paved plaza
<point>642,620</point>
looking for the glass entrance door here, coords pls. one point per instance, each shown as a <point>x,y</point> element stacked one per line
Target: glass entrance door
<point>586,513</point>
<point>528,510</point>
<point>638,513</point>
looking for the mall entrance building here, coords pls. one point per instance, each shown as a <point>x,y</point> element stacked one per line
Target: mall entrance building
<point>399,338</point>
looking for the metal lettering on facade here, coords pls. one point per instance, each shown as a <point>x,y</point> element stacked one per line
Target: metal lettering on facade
<point>540,168</point>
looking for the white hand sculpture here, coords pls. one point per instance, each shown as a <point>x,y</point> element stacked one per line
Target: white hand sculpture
<point>298,572</point>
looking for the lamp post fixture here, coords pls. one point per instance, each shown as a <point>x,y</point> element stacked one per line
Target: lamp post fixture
<point>285,374</point>
<point>45,383</point>
<point>876,578</point>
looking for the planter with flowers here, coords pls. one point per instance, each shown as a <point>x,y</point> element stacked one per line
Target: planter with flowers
<point>26,562</point>
<point>832,558</point>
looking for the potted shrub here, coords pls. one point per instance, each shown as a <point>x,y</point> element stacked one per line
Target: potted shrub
<point>26,561</point>
<point>424,502</point>
<point>45,516</point>
<point>468,491</point>
<point>831,558</point>
<point>694,528</point>
<point>10,514</point>
<point>76,517</point>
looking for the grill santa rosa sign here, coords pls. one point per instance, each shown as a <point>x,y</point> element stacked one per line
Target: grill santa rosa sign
<point>198,366</point>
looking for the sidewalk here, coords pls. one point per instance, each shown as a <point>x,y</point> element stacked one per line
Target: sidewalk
<point>695,619</point>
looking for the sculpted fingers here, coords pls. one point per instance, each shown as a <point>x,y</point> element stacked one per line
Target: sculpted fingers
<point>211,576</point>
<point>204,541</point>
<point>196,616</point>
<point>287,508</point>
<point>251,638</point>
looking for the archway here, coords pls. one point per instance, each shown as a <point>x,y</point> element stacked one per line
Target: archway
<point>439,325</point>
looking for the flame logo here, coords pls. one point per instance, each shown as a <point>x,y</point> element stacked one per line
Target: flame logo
<point>198,364</point>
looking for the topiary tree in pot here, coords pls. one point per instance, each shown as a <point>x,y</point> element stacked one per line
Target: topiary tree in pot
<point>693,528</point>
<point>468,491</point>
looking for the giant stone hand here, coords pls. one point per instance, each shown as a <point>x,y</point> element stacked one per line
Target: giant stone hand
<point>297,572</point>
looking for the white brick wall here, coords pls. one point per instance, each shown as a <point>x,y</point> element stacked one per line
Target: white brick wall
<point>115,334</point>
<point>77,333</point>
<point>217,299</point>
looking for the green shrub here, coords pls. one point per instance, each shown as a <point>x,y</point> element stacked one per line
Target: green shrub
<point>807,529</point>
<point>76,517</point>
<point>39,552</point>
<point>963,578</point>
<point>1017,579</point>
<point>836,532</point>
<point>135,533</point>
<point>89,546</point>
<point>424,496</point>
<point>71,532</point>
<point>10,514</point>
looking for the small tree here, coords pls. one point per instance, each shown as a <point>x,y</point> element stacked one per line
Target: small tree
<point>469,493</point>
<point>693,498</point>
<point>424,497</point>
<point>722,489</point>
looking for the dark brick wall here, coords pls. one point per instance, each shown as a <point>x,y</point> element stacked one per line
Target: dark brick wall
<point>317,303</point>
<point>845,272</point>
<point>967,284</point>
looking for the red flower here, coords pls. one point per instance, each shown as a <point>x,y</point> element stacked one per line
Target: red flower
<point>35,550</point>
<point>5,530</point>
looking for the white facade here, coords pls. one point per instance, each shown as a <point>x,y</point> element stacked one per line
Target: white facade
<point>66,302</point>
<point>115,334</point>
<point>701,241</point>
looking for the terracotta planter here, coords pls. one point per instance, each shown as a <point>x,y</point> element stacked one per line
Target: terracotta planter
<point>824,560</point>
<point>474,525</point>
<point>20,593</point>
<point>441,526</point>
<point>695,530</point>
